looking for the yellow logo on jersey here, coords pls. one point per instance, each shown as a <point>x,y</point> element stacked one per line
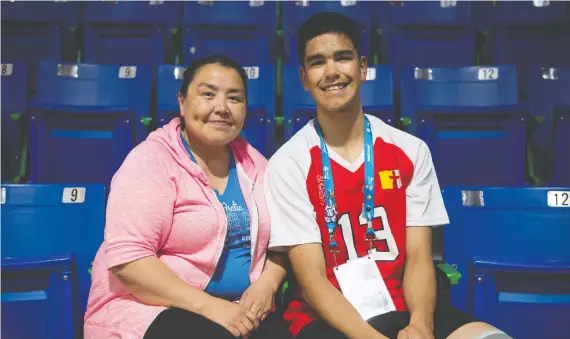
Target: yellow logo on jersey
<point>389,179</point>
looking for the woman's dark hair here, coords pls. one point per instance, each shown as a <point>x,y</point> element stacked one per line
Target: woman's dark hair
<point>217,59</point>
<point>328,22</point>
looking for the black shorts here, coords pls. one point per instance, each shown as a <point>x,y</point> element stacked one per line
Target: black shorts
<point>175,323</point>
<point>446,320</point>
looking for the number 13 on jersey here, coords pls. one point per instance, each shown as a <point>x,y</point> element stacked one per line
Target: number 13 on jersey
<point>385,234</point>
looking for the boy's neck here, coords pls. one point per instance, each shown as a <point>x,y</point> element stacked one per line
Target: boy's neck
<point>343,132</point>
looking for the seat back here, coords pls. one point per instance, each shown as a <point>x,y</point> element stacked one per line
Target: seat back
<point>377,93</point>
<point>55,220</point>
<point>435,13</point>
<point>85,119</point>
<point>131,32</point>
<point>38,298</point>
<point>298,104</point>
<point>427,34</point>
<point>432,46</point>
<point>526,34</point>
<point>547,45</point>
<point>14,85</point>
<point>259,128</point>
<point>241,30</point>
<point>39,30</point>
<point>376,97</point>
<point>520,13</point>
<point>259,124</point>
<point>169,82</point>
<point>548,99</point>
<point>479,86</point>
<point>471,120</point>
<point>295,13</point>
<point>510,246</point>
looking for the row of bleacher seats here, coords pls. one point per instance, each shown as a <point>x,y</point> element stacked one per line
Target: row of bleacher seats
<point>85,109</point>
<point>418,33</point>
<point>507,248</point>
<point>471,117</point>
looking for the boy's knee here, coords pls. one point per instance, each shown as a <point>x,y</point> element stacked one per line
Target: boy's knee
<point>479,330</point>
<point>494,334</point>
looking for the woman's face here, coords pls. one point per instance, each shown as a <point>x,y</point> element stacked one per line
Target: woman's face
<point>215,105</point>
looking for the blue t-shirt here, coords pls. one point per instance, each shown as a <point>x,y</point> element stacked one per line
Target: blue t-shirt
<point>231,277</point>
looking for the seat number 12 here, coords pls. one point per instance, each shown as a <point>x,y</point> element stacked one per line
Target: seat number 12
<point>558,198</point>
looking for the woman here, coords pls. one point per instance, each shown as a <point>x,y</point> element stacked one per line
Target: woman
<point>184,254</point>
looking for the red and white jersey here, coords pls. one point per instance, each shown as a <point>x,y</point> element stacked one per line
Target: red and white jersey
<point>406,193</point>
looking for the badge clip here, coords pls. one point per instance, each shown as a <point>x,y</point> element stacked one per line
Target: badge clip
<point>334,249</point>
<point>370,236</point>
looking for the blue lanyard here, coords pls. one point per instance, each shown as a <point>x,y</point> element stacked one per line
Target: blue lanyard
<point>330,206</point>
<point>232,159</point>
<point>187,148</point>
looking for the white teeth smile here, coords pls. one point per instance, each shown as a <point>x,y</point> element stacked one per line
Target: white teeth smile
<point>335,88</point>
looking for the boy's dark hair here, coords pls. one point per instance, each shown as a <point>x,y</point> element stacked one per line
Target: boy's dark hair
<point>328,22</point>
<point>218,59</point>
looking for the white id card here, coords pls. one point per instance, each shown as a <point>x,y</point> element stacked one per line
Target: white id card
<point>361,283</point>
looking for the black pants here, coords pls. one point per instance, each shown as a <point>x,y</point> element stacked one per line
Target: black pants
<point>175,323</point>
<point>446,320</point>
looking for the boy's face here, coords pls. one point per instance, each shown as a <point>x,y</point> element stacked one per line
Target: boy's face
<point>332,72</point>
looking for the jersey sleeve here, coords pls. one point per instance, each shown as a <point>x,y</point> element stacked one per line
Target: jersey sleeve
<point>290,209</point>
<point>424,201</point>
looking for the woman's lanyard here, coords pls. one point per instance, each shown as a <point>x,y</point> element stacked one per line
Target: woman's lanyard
<point>330,206</point>
<point>187,147</point>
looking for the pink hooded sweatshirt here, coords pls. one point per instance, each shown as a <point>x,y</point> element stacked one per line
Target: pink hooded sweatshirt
<point>161,205</point>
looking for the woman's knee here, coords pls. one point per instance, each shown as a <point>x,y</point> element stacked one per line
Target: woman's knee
<point>478,330</point>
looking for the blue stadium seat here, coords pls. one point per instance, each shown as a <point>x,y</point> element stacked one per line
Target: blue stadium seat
<point>426,34</point>
<point>169,83</point>
<point>511,248</point>
<point>38,296</point>
<point>14,75</point>
<point>241,30</point>
<point>377,93</point>
<point>53,220</point>
<point>520,13</point>
<point>295,13</point>
<point>524,35</point>
<point>376,97</point>
<point>85,119</point>
<point>433,13</point>
<point>549,101</point>
<point>259,125</point>
<point>34,31</point>
<point>130,32</point>
<point>471,119</point>
<point>298,104</point>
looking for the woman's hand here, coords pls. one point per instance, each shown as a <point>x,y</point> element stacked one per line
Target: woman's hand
<point>234,317</point>
<point>258,298</point>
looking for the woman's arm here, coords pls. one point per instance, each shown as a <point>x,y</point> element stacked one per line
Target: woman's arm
<point>153,283</point>
<point>275,270</point>
<point>258,298</point>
